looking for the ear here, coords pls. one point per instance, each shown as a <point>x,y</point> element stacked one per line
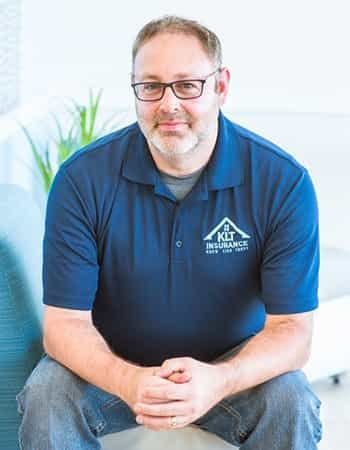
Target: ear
<point>222,84</point>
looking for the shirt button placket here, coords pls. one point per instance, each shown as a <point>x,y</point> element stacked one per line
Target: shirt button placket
<point>177,241</point>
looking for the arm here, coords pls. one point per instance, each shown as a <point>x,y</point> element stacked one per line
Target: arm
<point>289,283</point>
<point>70,282</point>
<point>282,346</point>
<point>71,338</point>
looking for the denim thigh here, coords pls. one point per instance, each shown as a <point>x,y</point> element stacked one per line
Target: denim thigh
<point>51,387</point>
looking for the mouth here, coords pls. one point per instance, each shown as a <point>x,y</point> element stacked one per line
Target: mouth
<point>171,125</point>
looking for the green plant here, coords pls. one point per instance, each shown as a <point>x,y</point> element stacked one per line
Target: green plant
<point>82,130</point>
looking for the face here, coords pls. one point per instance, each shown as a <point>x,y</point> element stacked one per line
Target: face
<point>174,127</point>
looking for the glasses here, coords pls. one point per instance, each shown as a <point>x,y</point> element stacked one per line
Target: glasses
<point>152,91</point>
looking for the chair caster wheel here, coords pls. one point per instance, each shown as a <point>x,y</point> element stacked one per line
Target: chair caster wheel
<point>336,379</point>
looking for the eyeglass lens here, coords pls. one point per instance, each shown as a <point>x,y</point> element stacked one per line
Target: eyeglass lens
<point>182,89</point>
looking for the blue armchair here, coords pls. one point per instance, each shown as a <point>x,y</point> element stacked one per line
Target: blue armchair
<point>21,230</point>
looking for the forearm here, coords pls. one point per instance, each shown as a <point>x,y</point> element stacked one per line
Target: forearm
<point>77,345</point>
<point>275,350</point>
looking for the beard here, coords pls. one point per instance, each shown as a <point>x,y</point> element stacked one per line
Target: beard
<point>173,144</point>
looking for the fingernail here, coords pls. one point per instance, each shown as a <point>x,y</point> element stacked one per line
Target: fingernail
<point>139,419</point>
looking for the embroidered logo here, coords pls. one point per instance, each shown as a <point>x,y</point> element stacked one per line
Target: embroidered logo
<point>226,237</point>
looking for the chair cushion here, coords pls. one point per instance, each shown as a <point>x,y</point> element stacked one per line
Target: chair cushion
<point>185,438</point>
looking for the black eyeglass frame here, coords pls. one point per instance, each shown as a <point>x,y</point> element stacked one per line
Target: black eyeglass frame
<point>171,85</point>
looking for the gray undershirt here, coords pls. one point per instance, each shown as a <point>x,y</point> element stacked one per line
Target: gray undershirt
<point>181,186</point>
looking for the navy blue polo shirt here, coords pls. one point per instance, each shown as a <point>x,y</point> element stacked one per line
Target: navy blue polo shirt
<point>193,278</point>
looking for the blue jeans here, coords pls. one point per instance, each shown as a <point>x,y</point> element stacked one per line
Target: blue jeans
<point>62,411</point>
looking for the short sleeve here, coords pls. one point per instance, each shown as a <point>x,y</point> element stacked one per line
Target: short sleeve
<point>70,262</point>
<point>289,272</point>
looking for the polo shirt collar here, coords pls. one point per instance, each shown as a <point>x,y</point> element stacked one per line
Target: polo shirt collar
<point>138,164</point>
<point>224,170</point>
<point>225,167</point>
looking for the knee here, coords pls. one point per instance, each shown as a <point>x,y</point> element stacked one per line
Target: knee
<point>49,384</point>
<point>291,395</point>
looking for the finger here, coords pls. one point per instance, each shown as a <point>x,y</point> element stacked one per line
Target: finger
<point>161,423</point>
<point>159,384</point>
<point>172,365</point>
<point>153,400</point>
<point>178,408</point>
<point>179,393</point>
<point>163,372</point>
<point>157,381</point>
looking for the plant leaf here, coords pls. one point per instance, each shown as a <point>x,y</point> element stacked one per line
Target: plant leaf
<point>42,163</point>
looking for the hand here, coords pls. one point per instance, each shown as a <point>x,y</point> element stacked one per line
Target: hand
<point>187,401</point>
<point>137,380</point>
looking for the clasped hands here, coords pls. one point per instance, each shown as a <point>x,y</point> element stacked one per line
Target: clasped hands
<point>183,388</point>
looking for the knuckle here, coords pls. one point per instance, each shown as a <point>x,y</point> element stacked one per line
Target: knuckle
<point>140,396</point>
<point>187,392</point>
<point>168,394</point>
<point>192,410</point>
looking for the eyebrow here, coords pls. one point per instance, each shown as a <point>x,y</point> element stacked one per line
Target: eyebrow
<point>179,76</point>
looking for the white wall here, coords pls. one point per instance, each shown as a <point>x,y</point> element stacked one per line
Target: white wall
<point>283,55</point>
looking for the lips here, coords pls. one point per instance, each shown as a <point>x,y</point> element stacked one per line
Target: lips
<point>171,125</point>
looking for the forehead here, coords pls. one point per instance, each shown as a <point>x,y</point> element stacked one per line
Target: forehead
<point>171,56</point>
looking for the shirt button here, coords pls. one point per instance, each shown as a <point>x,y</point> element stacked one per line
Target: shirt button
<point>178,244</point>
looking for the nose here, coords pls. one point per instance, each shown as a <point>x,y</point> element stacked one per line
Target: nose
<point>169,102</point>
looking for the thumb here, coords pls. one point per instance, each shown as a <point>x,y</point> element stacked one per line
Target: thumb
<point>174,370</point>
<point>170,366</point>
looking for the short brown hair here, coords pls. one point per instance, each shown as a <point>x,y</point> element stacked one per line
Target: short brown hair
<point>179,25</point>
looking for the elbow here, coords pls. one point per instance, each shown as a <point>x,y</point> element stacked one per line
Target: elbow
<point>305,352</point>
<point>46,345</point>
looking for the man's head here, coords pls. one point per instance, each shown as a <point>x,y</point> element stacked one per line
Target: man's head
<point>173,49</point>
<point>178,25</point>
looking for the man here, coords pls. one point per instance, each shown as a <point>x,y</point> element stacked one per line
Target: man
<point>180,270</point>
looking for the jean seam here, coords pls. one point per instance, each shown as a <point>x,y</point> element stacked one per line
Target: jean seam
<point>99,427</point>
<point>20,443</point>
<point>110,403</point>
<point>230,410</point>
<point>101,424</point>
<point>19,399</point>
<point>242,433</point>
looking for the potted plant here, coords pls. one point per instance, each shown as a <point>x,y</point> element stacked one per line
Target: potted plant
<point>83,129</point>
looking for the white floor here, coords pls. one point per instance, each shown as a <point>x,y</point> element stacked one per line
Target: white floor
<point>335,413</point>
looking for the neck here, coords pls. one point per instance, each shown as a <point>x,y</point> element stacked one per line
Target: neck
<point>180,166</point>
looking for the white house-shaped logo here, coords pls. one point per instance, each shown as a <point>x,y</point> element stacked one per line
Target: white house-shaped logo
<point>226,237</point>
<point>226,231</point>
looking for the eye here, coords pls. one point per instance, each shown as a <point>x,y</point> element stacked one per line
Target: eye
<point>186,85</point>
<point>150,87</point>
